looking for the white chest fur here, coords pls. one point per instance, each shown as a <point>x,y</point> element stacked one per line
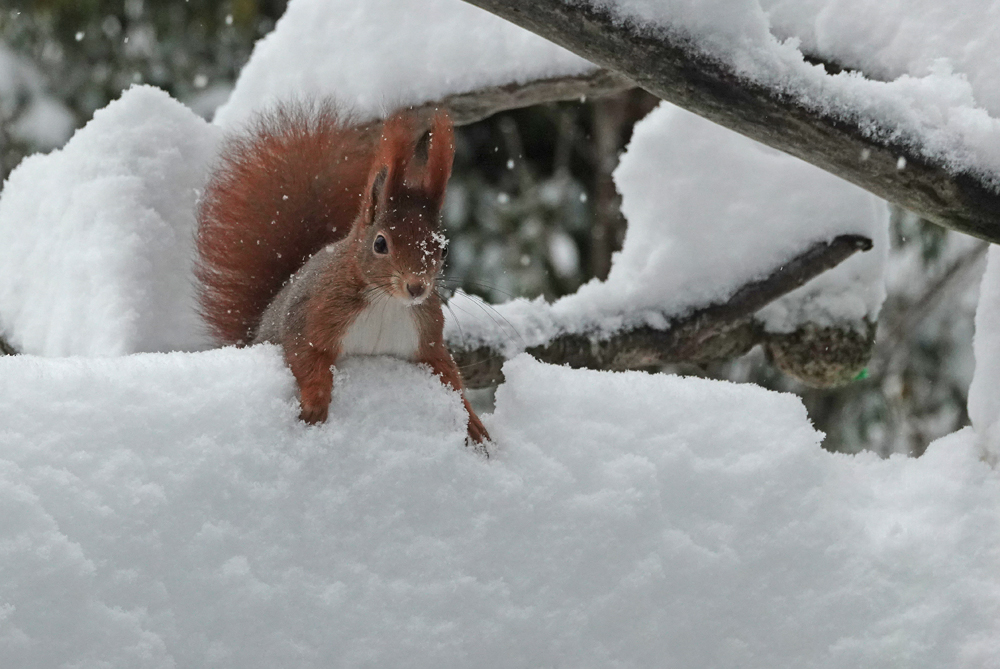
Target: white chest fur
<point>386,327</point>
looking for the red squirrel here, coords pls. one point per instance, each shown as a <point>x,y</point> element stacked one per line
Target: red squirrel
<point>316,236</point>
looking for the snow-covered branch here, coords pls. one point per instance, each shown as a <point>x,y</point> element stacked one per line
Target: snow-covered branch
<point>715,332</point>
<point>677,69</point>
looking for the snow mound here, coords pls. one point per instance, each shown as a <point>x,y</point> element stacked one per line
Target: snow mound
<point>97,239</point>
<point>708,211</point>
<point>169,510</point>
<point>378,55</point>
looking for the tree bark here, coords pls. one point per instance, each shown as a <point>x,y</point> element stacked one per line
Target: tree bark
<point>674,70</point>
<point>609,222</point>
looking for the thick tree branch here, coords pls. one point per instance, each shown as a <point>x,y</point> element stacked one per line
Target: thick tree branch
<point>715,332</point>
<point>673,70</point>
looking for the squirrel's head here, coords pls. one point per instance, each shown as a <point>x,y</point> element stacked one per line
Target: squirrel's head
<point>400,247</point>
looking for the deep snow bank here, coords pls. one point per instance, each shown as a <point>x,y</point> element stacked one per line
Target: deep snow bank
<point>168,510</point>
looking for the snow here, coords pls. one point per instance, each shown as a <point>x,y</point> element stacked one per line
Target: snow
<point>377,55</point>
<point>893,38</point>
<point>96,239</point>
<point>708,211</point>
<point>169,510</point>
<point>984,402</point>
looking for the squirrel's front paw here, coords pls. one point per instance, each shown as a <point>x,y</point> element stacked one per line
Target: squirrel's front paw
<point>478,435</point>
<point>313,413</point>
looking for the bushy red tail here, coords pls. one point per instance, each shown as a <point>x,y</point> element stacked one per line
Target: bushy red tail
<point>285,188</point>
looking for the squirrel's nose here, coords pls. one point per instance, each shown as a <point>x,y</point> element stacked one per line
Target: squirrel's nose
<point>415,289</point>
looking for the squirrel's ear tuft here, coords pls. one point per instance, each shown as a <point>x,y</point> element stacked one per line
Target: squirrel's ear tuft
<point>440,154</point>
<point>386,179</point>
<point>395,151</point>
<point>376,187</point>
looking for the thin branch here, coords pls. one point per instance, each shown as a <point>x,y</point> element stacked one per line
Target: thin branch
<point>476,105</point>
<point>674,70</point>
<point>715,332</point>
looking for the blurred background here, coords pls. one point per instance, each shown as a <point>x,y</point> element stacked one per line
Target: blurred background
<point>532,208</point>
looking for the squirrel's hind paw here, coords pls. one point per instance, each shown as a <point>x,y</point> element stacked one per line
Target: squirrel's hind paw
<point>478,447</point>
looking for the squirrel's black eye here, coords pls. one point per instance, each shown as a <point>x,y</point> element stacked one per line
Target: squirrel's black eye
<point>380,246</point>
<point>444,253</point>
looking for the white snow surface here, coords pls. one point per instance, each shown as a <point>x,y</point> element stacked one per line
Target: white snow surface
<point>929,104</point>
<point>97,238</point>
<point>708,211</point>
<point>377,55</point>
<point>169,510</point>
<point>984,400</point>
<point>892,38</point>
